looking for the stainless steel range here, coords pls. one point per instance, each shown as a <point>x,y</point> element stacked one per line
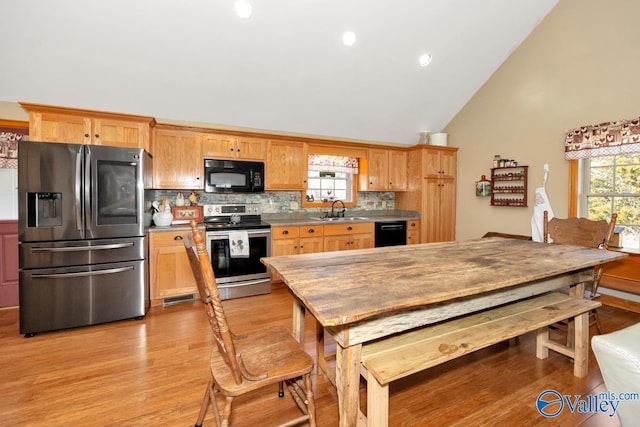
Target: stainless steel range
<point>236,240</point>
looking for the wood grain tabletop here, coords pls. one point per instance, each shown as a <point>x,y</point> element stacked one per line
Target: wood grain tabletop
<point>348,286</point>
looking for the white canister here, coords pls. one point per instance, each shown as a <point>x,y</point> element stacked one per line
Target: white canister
<point>438,139</point>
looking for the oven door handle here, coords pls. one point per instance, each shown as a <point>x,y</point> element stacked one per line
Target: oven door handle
<point>224,235</point>
<point>82,273</point>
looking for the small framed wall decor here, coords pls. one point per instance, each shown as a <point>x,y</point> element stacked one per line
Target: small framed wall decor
<point>186,214</point>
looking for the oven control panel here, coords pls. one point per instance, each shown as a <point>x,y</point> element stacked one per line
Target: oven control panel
<point>234,209</point>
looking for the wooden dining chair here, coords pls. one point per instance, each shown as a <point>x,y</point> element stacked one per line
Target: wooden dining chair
<point>587,233</point>
<point>242,364</point>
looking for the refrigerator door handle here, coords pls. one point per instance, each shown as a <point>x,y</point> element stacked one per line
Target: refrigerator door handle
<point>82,273</point>
<point>84,248</point>
<point>88,191</point>
<point>78,187</point>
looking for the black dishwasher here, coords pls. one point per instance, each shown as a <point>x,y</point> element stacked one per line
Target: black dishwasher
<point>391,233</point>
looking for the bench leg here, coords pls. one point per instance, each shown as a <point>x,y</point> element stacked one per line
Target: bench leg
<point>581,345</point>
<point>542,338</point>
<point>377,403</point>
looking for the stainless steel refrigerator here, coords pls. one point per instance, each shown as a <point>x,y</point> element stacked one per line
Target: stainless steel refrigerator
<point>81,229</point>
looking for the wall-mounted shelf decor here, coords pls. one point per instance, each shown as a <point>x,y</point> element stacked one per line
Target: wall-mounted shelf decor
<point>509,186</point>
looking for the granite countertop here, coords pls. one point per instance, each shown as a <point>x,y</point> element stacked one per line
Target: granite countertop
<point>305,218</point>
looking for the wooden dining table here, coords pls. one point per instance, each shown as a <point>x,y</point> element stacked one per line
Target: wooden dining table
<point>362,295</point>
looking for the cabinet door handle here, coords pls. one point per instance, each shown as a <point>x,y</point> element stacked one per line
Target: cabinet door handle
<point>97,135</point>
<point>177,238</point>
<point>86,135</point>
<point>285,231</point>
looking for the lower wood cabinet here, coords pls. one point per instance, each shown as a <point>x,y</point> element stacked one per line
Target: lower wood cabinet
<point>169,268</point>
<point>413,232</point>
<point>344,236</point>
<point>292,240</point>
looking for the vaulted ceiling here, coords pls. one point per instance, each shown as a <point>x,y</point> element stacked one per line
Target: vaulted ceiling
<point>284,68</point>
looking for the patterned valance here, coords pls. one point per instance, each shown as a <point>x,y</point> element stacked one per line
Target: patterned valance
<point>604,139</point>
<point>9,149</point>
<point>322,163</point>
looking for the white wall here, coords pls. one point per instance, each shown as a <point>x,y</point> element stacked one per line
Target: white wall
<point>9,194</point>
<point>579,66</point>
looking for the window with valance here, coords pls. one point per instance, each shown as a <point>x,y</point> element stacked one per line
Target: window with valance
<point>607,177</point>
<point>604,139</point>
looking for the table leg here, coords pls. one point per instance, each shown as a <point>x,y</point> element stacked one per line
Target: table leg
<point>348,383</point>
<point>298,321</point>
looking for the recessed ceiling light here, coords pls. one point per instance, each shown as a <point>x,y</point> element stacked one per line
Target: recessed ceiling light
<point>425,59</point>
<point>349,38</point>
<point>243,8</point>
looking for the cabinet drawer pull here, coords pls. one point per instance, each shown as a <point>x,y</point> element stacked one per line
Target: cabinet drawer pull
<point>285,232</point>
<point>311,230</point>
<point>349,228</point>
<point>177,238</point>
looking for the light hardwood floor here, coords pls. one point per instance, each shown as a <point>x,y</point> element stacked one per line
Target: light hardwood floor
<point>153,372</point>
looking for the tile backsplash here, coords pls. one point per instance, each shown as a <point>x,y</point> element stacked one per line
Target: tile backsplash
<point>277,201</point>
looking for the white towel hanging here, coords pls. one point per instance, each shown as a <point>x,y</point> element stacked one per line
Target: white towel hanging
<point>238,244</point>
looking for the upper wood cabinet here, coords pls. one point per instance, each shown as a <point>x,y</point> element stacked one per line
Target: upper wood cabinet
<point>177,159</point>
<point>384,170</point>
<point>75,126</point>
<point>440,163</point>
<point>286,165</point>
<point>216,146</point>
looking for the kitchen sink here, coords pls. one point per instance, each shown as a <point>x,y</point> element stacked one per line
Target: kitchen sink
<point>340,219</point>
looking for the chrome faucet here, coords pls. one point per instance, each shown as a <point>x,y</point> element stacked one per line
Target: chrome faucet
<point>341,212</point>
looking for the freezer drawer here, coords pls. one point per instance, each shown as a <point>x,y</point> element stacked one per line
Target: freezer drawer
<point>60,298</point>
<point>80,252</point>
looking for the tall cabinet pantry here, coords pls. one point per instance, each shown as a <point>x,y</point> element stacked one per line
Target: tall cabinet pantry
<point>432,191</point>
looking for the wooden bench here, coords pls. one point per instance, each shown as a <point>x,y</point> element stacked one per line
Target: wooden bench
<point>401,355</point>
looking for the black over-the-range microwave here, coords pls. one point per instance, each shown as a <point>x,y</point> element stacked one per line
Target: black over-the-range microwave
<point>233,176</point>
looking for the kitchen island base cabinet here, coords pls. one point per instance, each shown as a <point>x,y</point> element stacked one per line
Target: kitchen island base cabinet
<point>171,274</point>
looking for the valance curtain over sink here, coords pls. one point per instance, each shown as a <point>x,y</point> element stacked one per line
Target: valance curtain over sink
<point>319,162</point>
<point>604,139</point>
